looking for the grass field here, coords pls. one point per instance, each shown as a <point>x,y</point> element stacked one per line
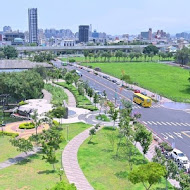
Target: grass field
<point>113,59</point>
<point>58,94</point>
<point>169,81</point>
<point>36,173</point>
<point>103,170</point>
<point>6,149</point>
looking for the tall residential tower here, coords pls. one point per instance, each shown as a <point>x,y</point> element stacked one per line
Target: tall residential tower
<point>84,33</point>
<point>33,25</point>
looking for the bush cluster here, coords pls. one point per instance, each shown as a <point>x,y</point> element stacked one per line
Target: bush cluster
<point>26,126</point>
<point>21,103</point>
<point>102,117</point>
<point>9,134</point>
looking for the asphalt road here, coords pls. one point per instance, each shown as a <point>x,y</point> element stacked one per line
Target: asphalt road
<point>171,125</point>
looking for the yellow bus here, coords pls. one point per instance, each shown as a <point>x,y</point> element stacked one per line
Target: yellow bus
<point>142,100</point>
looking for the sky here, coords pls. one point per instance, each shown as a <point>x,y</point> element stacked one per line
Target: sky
<point>110,16</point>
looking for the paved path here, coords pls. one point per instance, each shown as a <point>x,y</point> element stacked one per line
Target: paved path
<point>47,96</point>
<point>17,159</point>
<point>70,162</point>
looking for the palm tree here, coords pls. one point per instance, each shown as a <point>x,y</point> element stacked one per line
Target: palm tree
<point>37,122</point>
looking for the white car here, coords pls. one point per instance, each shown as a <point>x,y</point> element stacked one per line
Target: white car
<point>179,156</point>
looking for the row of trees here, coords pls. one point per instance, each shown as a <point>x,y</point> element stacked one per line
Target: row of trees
<point>8,52</point>
<point>183,56</point>
<point>43,57</point>
<point>135,55</point>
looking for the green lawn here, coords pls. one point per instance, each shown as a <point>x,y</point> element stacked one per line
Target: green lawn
<point>58,94</point>
<point>169,81</point>
<point>103,170</point>
<point>103,117</point>
<point>36,173</point>
<point>6,149</point>
<point>82,101</point>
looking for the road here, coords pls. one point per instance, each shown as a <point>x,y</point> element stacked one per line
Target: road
<point>171,125</point>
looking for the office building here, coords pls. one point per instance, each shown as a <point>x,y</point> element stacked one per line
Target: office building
<point>146,35</point>
<point>83,33</point>
<point>33,25</point>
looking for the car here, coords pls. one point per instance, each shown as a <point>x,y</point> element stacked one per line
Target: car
<point>118,83</point>
<point>137,91</point>
<point>105,77</point>
<point>113,80</point>
<point>144,93</point>
<point>179,157</point>
<point>108,78</point>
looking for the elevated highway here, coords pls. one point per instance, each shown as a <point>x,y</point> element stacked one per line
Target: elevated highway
<point>82,48</point>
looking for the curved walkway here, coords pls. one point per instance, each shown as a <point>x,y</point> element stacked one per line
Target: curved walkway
<point>70,162</point>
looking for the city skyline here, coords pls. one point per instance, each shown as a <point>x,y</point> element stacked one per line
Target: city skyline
<point>133,17</point>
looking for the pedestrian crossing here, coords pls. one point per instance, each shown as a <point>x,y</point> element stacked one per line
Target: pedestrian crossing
<point>161,123</point>
<point>135,106</point>
<point>187,111</point>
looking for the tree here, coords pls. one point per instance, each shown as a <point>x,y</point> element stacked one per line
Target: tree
<point>2,55</point>
<point>96,99</point>
<point>10,52</point>
<point>150,49</point>
<point>183,56</point>
<point>86,53</point>
<point>126,78</point>
<point>80,89</point>
<point>144,137</point>
<point>171,167</point>
<point>147,174</point>
<point>37,122</point>
<point>69,78</point>
<point>64,186</point>
<point>131,56</point>
<point>114,115</point>
<point>92,132</point>
<point>90,92</point>
<point>22,145</point>
<point>184,181</point>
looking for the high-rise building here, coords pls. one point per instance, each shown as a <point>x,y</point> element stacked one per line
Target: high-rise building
<point>33,25</point>
<point>84,33</point>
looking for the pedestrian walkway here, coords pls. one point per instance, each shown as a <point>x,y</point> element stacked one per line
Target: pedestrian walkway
<point>47,96</point>
<point>70,162</point>
<point>18,158</point>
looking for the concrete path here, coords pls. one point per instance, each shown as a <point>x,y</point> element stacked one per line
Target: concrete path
<point>18,158</point>
<point>70,162</point>
<point>47,96</point>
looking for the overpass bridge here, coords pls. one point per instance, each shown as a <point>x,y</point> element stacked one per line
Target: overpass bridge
<point>82,48</point>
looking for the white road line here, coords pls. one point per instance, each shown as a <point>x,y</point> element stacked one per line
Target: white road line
<point>154,123</point>
<point>184,124</point>
<point>178,123</point>
<point>173,123</point>
<point>169,135</point>
<point>168,123</point>
<point>165,137</point>
<point>187,124</point>
<point>178,134</point>
<point>144,122</point>
<point>159,123</point>
<point>163,123</point>
<point>149,122</point>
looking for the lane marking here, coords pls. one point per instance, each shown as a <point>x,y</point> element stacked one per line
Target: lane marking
<point>185,133</point>
<point>159,123</point>
<point>165,137</point>
<point>163,123</point>
<point>149,122</point>
<point>184,124</point>
<point>173,123</point>
<point>144,122</point>
<point>153,122</point>
<point>168,123</point>
<point>178,123</point>
<point>169,135</point>
<point>178,134</point>
<point>187,124</point>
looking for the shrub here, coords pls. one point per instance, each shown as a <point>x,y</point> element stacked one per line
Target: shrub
<point>72,60</point>
<point>26,126</point>
<point>22,103</point>
<point>9,134</point>
<point>56,123</point>
<point>59,112</point>
<point>102,117</point>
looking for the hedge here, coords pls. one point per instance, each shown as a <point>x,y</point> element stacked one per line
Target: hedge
<point>9,134</point>
<point>26,126</point>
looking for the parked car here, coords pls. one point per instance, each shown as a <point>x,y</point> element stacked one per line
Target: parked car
<point>108,78</point>
<point>105,77</point>
<point>179,156</point>
<point>113,80</point>
<point>137,91</point>
<point>97,69</point>
<point>118,83</point>
<point>144,93</point>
